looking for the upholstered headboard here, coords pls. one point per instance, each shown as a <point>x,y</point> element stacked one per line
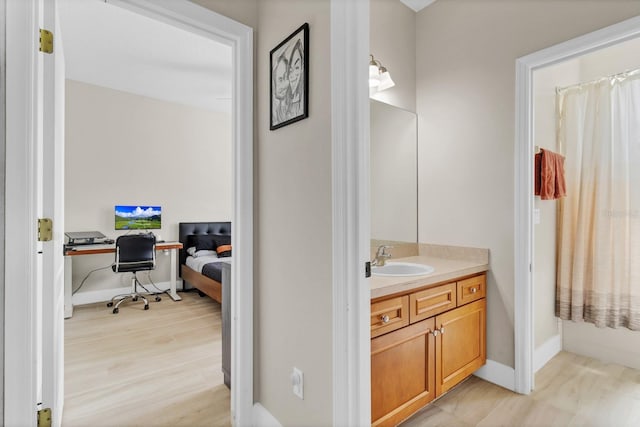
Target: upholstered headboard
<point>187,229</point>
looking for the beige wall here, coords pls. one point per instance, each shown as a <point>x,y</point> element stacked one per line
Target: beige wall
<point>392,41</point>
<point>243,11</point>
<point>466,52</point>
<point>128,149</point>
<point>545,82</point>
<point>612,60</point>
<point>293,242</point>
<point>293,219</point>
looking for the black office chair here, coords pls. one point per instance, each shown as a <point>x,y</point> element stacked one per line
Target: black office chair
<point>134,252</point>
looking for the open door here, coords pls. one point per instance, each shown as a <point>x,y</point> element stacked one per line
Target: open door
<point>52,184</point>
<point>33,365</point>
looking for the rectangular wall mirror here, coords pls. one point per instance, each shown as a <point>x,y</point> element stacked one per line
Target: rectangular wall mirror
<point>394,173</point>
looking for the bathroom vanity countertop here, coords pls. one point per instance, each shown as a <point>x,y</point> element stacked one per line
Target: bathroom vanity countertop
<point>445,269</point>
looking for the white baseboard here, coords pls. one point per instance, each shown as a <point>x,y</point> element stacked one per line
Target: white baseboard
<point>104,295</point>
<point>499,374</point>
<point>263,418</point>
<point>546,351</point>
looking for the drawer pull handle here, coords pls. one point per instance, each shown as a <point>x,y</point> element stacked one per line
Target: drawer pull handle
<point>474,290</point>
<point>385,319</point>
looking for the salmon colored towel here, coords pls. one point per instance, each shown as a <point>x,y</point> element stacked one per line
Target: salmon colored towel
<point>549,175</point>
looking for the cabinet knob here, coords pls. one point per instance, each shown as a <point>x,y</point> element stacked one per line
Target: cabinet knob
<point>385,319</point>
<point>435,333</point>
<point>442,330</point>
<point>474,290</point>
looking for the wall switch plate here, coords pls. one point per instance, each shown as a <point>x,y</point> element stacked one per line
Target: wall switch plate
<point>536,216</point>
<point>297,381</point>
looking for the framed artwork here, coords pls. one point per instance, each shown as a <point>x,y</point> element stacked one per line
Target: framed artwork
<point>289,65</point>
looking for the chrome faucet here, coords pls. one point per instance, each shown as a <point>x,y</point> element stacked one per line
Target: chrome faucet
<point>381,255</point>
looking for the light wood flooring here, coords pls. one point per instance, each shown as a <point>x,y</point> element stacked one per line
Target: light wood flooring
<point>571,391</point>
<point>159,367</point>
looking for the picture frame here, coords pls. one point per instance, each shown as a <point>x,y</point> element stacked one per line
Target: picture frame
<point>289,73</point>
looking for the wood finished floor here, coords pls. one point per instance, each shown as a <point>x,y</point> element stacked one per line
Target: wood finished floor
<point>571,391</point>
<point>159,367</point>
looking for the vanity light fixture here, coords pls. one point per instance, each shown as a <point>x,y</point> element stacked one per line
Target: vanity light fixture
<point>379,77</point>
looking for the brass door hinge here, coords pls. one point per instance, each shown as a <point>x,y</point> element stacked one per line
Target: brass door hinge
<point>45,229</point>
<point>44,417</point>
<point>46,41</point>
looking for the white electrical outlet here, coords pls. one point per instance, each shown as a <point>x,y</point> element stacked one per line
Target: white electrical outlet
<point>297,381</point>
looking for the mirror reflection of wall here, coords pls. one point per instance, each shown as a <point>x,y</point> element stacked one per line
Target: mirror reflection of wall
<point>394,173</point>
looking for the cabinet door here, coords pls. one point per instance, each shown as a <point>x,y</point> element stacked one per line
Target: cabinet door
<point>460,345</point>
<point>402,373</point>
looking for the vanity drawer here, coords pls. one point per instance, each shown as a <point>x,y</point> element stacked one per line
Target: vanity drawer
<point>389,315</point>
<point>472,289</point>
<point>430,302</point>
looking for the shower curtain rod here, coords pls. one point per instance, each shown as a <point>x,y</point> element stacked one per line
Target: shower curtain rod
<point>614,77</point>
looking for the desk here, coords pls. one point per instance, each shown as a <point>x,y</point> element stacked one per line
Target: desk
<point>71,252</point>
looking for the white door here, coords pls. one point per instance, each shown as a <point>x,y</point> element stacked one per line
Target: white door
<point>33,270</point>
<point>52,200</point>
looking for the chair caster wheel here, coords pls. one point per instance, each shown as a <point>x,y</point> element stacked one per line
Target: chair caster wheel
<point>146,306</point>
<point>202,294</point>
<point>116,310</point>
<point>110,304</point>
<point>135,299</point>
<point>158,299</point>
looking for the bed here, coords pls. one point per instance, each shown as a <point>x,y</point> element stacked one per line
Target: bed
<point>216,280</point>
<point>208,281</point>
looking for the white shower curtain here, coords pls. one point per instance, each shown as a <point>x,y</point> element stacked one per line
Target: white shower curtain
<point>598,275</point>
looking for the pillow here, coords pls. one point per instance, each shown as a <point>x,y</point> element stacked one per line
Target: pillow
<point>223,251</point>
<point>223,246</point>
<point>222,240</point>
<point>203,242</point>
<point>204,252</point>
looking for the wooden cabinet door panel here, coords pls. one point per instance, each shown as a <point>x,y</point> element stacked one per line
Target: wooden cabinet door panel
<point>402,373</point>
<point>460,346</point>
<point>432,301</point>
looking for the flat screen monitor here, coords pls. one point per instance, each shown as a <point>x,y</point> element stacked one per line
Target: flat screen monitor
<point>138,217</point>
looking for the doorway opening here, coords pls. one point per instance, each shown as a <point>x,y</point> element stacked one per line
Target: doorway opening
<point>21,321</point>
<point>525,360</point>
<point>209,76</point>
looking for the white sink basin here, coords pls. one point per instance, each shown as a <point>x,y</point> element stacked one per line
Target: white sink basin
<point>402,269</point>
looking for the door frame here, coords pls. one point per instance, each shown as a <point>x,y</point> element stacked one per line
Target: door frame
<point>3,37</point>
<point>351,212</point>
<point>22,104</point>
<point>524,199</point>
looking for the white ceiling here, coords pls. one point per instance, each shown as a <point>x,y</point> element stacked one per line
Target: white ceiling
<point>108,46</point>
<point>417,5</point>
